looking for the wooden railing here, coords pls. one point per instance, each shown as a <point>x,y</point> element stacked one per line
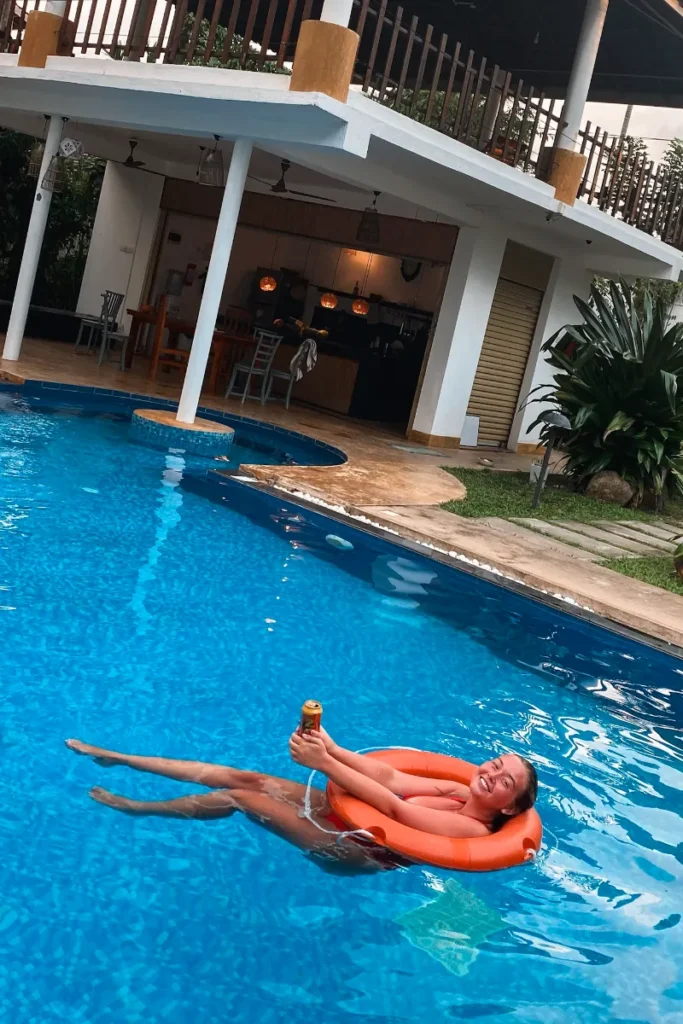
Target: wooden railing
<point>403,63</point>
<point>419,71</point>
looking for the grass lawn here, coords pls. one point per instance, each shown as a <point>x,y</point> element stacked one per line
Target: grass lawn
<point>658,571</point>
<point>508,495</point>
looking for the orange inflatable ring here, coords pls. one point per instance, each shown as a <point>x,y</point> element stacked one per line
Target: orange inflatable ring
<point>516,842</point>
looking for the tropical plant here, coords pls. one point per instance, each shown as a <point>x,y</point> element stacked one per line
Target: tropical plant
<point>67,236</point>
<point>619,381</point>
<point>670,292</point>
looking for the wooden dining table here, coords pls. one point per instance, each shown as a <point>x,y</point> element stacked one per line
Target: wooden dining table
<point>226,346</point>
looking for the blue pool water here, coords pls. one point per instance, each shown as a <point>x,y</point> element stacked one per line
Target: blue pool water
<point>149,610</point>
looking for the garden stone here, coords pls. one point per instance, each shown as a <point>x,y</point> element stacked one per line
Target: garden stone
<point>609,486</point>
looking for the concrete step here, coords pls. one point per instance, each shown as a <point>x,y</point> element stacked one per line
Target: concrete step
<point>605,548</point>
<point>597,532</point>
<point>633,532</point>
<point>545,545</point>
<point>660,530</point>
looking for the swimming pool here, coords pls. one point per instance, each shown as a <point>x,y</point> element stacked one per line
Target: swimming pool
<point>149,607</point>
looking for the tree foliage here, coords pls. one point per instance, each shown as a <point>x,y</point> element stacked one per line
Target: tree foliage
<point>69,226</point>
<point>673,156</point>
<point>238,57</point>
<point>668,292</point>
<point>619,381</point>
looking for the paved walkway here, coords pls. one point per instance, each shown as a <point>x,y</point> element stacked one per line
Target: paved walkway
<point>400,486</point>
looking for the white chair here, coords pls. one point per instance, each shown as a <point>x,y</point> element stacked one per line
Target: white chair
<point>104,323</point>
<point>267,343</point>
<point>303,361</point>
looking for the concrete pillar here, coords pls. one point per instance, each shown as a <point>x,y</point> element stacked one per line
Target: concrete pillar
<point>568,165</point>
<point>582,72</point>
<point>458,337</point>
<point>337,11</point>
<point>122,238</point>
<point>32,247</point>
<point>568,278</point>
<point>215,280</point>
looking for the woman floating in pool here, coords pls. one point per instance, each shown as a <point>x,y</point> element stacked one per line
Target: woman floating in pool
<point>502,787</point>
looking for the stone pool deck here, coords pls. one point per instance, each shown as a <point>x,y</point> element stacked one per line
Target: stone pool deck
<point>399,487</point>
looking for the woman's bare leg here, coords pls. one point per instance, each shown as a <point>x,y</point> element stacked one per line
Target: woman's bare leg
<point>214,776</point>
<point>278,816</point>
<point>197,806</point>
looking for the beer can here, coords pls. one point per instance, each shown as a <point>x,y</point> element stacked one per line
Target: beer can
<point>311,713</point>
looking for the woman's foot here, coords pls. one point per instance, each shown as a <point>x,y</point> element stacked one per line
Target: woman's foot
<point>119,803</point>
<point>105,758</point>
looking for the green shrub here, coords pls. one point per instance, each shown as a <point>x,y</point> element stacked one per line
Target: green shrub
<point>618,381</point>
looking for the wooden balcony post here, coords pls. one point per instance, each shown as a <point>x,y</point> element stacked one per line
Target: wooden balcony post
<point>326,53</point>
<point>42,35</point>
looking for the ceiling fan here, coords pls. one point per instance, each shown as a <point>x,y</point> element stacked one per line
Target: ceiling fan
<point>280,187</point>
<point>130,160</point>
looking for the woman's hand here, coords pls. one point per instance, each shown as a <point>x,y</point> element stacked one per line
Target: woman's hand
<point>330,745</point>
<point>309,750</point>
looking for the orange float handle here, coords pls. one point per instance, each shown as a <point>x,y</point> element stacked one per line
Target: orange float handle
<point>517,842</point>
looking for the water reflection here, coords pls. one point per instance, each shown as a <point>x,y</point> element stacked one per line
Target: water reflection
<point>168,516</point>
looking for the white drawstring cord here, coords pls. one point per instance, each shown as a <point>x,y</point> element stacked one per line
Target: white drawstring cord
<point>308,814</point>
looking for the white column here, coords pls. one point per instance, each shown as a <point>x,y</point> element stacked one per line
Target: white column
<point>459,334</point>
<point>56,7</point>
<point>32,247</point>
<point>582,72</point>
<point>568,278</point>
<point>215,280</point>
<point>337,11</point>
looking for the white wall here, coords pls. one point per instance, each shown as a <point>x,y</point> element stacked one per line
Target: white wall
<point>459,333</point>
<point>321,263</point>
<point>122,238</point>
<point>568,278</point>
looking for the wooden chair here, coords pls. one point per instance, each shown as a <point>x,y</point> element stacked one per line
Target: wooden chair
<point>231,344</point>
<point>169,356</point>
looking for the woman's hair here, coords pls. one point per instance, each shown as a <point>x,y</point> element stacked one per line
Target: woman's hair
<point>525,800</point>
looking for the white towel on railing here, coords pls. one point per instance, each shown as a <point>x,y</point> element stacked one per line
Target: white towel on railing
<point>304,359</point>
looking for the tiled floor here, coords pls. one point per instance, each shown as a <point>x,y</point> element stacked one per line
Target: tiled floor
<point>386,480</point>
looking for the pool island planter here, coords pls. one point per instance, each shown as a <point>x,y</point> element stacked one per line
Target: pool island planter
<point>158,428</point>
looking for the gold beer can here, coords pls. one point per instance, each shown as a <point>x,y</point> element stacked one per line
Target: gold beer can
<point>311,714</point>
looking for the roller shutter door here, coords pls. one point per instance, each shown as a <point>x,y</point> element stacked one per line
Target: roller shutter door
<point>497,383</point>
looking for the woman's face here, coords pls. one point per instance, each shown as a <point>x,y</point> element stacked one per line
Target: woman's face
<point>497,784</point>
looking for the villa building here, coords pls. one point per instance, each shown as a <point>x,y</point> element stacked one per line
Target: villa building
<point>373,169</point>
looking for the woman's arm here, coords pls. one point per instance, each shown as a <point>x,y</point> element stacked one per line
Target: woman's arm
<point>397,782</point>
<point>310,750</point>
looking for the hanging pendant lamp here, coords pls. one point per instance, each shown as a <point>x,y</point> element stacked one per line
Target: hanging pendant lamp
<point>368,229</point>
